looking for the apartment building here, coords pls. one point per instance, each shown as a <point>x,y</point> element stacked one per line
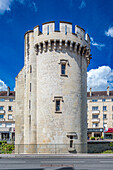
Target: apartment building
<point>7,115</point>
<point>100,113</point>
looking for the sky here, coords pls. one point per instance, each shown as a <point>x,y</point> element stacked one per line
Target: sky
<point>19,16</point>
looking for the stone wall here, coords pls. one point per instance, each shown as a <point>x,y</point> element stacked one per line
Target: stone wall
<point>98,146</point>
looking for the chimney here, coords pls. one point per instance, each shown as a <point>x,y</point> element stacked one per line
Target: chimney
<point>8,91</point>
<point>108,90</point>
<point>90,92</point>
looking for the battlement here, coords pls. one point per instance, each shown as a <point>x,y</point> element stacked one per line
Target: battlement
<point>65,28</point>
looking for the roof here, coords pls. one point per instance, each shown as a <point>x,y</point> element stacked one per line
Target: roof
<point>99,93</point>
<point>4,93</point>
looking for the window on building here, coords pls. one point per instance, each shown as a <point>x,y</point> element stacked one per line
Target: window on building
<point>94,116</point>
<point>104,107</point>
<point>48,30</point>
<point>57,105</point>
<point>0,124</point>
<point>1,107</point>
<point>8,124</point>
<point>1,116</point>
<point>94,100</point>
<point>112,100</point>
<point>30,69</point>
<point>94,107</point>
<point>63,68</point>
<point>30,87</point>
<point>103,100</point>
<point>112,116</point>
<point>11,100</point>
<point>105,116</point>
<point>65,29</point>
<point>2,100</point>
<point>94,125</point>
<point>10,108</point>
<point>71,141</point>
<point>112,108</point>
<point>10,117</point>
<point>112,124</point>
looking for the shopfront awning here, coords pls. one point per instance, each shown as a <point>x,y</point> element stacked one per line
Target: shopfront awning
<point>108,130</point>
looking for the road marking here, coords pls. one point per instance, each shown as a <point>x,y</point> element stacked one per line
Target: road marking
<point>106,162</point>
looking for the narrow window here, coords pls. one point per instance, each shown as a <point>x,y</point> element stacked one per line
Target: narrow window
<point>104,108</point>
<point>9,108</point>
<point>103,100</point>
<point>105,116</point>
<point>63,68</point>
<point>30,69</point>
<point>71,141</point>
<point>48,30</point>
<point>11,100</point>
<point>30,87</point>
<point>112,108</point>
<point>112,116</point>
<point>65,29</point>
<point>57,105</point>
<point>94,107</point>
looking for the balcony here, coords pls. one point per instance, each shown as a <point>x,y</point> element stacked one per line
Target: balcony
<point>95,120</point>
<point>95,111</point>
<point>2,111</point>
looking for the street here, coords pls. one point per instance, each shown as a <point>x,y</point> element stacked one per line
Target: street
<point>57,163</point>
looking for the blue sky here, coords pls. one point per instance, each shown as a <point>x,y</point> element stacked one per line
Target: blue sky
<point>19,16</point>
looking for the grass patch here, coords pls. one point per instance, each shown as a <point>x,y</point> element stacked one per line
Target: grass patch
<point>108,151</point>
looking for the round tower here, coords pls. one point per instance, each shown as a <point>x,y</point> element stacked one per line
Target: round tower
<point>55,88</point>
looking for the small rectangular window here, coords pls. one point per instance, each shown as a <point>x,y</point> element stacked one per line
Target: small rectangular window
<point>105,116</point>
<point>1,116</point>
<point>112,116</point>
<point>10,108</point>
<point>103,100</point>
<point>94,107</point>
<point>30,69</point>
<point>104,108</point>
<point>1,107</point>
<point>112,108</point>
<point>63,68</point>
<point>94,100</point>
<point>57,105</point>
<point>94,116</point>
<point>10,117</point>
<point>11,100</point>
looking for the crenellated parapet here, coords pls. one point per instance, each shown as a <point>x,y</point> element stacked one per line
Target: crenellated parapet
<point>50,39</point>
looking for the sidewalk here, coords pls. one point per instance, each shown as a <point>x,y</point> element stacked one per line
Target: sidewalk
<point>56,156</point>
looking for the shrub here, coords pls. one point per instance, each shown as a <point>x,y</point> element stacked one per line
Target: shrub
<point>108,151</point>
<point>102,137</point>
<point>92,138</point>
<point>111,144</point>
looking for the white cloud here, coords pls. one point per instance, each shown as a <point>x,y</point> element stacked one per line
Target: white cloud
<point>34,6</point>
<point>109,32</point>
<point>82,5</point>
<point>3,86</point>
<point>98,79</point>
<point>5,5</point>
<point>99,46</point>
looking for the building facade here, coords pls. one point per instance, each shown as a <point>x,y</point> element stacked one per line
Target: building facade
<point>100,114</point>
<point>7,115</point>
<point>51,90</point>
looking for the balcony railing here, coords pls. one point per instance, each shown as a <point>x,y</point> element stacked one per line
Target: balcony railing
<point>95,120</point>
<point>95,111</point>
<point>2,111</point>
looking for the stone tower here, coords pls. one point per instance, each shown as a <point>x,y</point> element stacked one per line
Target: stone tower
<point>51,90</point>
